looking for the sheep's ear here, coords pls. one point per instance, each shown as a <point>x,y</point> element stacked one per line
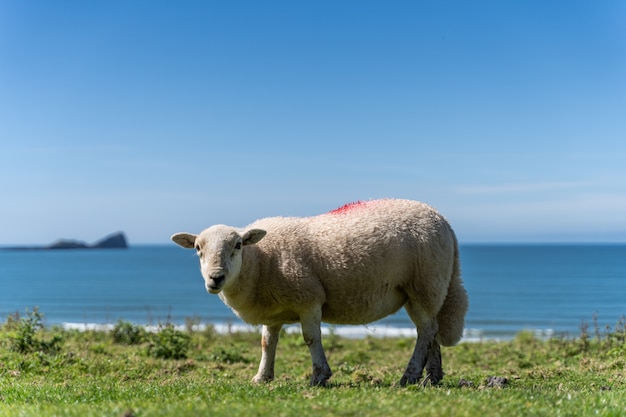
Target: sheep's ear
<point>252,236</point>
<point>186,240</point>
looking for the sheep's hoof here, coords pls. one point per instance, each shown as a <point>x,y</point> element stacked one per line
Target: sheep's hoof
<point>431,379</point>
<point>428,380</point>
<point>321,377</point>
<point>412,374</point>
<point>261,379</point>
<point>320,380</point>
<point>409,380</point>
<point>320,383</point>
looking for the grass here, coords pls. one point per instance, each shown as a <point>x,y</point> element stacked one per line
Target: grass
<point>128,372</point>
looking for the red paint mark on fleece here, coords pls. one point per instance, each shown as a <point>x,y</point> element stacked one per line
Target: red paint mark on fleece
<point>348,207</point>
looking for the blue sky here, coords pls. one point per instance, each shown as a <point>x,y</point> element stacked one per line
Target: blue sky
<point>154,117</point>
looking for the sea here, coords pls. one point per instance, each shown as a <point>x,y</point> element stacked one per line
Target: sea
<point>551,290</point>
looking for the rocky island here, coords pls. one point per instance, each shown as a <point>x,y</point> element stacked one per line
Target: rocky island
<point>115,240</point>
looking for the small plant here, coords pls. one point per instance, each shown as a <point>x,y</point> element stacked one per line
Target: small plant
<point>125,333</point>
<point>616,340</point>
<point>619,333</point>
<point>192,324</point>
<point>25,334</point>
<point>228,355</point>
<point>332,340</point>
<point>169,343</point>
<point>584,336</point>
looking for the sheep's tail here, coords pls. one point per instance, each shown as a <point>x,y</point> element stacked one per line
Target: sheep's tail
<point>451,317</point>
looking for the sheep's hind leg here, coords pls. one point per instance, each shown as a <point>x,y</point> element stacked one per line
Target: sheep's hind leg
<point>312,334</point>
<point>434,370</point>
<point>269,340</point>
<point>426,348</point>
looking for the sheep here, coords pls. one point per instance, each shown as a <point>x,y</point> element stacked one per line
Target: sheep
<point>353,265</point>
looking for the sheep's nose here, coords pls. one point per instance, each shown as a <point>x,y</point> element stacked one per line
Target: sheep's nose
<point>214,284</point>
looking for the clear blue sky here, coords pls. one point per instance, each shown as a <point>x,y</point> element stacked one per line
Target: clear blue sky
<point>154,117</point>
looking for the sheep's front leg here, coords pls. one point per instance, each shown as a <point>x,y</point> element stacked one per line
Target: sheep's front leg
<point>312,334</point>
<point>269,340</point>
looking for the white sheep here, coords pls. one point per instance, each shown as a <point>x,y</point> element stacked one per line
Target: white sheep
<point>353,265</point>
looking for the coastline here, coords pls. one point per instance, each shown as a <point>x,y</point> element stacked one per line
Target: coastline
<point>348,332</point>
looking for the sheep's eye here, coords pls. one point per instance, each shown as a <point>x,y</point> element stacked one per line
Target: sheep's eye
<point>198,248</point>
<point>238,245</point>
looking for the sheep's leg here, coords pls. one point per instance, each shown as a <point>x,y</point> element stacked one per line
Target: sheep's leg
<point>312,334</point>
<point>434,370</point>
<point>424,346</point>
<point>269,340</point>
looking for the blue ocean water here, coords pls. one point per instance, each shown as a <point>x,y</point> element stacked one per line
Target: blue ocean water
<point>550,289</point>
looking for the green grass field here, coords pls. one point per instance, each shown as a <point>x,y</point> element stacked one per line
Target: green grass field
<point>128,372</point>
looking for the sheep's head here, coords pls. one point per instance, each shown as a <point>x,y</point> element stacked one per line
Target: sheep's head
<point>219,249</point>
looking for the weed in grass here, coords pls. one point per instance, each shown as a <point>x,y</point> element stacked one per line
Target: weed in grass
<point>229,355</point>
<point>126,333</point>
<point>25,334</point>
<point>332,341</point>
<point>169,343</point>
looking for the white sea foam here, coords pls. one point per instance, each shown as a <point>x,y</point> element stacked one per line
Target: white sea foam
<point>83,327</point>
<point>350,332</point>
